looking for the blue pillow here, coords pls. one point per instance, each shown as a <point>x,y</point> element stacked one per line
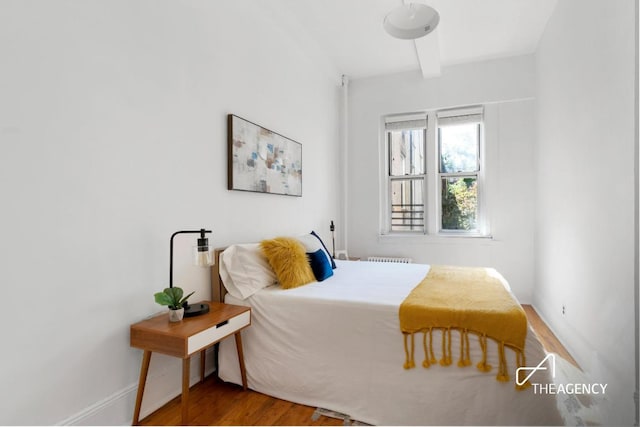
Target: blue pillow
<point>320,265</point>
<point>333,263</point>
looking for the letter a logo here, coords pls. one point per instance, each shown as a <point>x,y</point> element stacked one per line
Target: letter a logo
<point>539,367</point>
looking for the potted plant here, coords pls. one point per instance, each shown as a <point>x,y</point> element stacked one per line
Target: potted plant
<point>173,298</point>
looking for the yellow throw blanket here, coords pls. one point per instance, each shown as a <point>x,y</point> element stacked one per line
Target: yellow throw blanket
<point>469,300</point>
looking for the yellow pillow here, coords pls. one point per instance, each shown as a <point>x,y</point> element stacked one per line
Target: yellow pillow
<point>289,261</point>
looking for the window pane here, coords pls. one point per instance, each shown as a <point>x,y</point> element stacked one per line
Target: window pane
<point>459,203</point>
<point>459,148</point>
<point>406,152</point>
<point>407,204</point>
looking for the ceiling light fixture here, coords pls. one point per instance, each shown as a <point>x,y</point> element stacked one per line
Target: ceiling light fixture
<point>411,21</point>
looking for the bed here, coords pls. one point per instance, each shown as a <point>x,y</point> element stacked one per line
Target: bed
<point>337,344</point>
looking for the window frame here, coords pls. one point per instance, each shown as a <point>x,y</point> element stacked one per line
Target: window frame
<point>432,177</point>
<point>477,174</point>
<point>411,177</point>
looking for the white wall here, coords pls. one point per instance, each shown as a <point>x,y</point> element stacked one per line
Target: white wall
<point>585,190</point>
<point>112,137</point>
<point>507,88</point>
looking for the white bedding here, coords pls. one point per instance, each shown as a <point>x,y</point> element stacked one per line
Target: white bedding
<point>337,345</point>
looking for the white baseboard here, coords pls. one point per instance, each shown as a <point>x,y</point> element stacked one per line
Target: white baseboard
<point>109,411</point>
<point>117,409</point>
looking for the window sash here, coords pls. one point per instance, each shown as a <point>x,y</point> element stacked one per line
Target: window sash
<point>420,151</point>
<point>477,151</point>
<point>464,216</point>
<point>407,216</point>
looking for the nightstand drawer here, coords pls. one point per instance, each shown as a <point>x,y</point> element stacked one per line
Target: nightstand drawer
<point>216,333</point>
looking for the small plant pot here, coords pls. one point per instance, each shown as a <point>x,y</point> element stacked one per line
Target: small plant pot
<point>176,315</point>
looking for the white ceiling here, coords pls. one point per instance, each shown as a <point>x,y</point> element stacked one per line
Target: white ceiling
<point>350,33</point>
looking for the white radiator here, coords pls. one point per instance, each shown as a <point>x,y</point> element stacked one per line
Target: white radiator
<point>389,259</point>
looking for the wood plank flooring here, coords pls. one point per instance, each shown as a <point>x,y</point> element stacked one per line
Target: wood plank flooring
<point>546,337</point>
<point>214,402</point>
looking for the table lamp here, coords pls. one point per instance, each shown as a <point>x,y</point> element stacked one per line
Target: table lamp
<point>203,257</point>
<point>332,228</point>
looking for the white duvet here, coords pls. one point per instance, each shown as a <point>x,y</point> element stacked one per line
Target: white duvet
<point>337,345</point>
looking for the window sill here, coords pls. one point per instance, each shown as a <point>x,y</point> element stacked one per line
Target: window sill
<point>448,238</point>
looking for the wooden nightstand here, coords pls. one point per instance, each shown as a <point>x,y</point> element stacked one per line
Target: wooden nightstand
<point>185,338</point>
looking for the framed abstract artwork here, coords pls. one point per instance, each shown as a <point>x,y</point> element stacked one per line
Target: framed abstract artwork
<point>261,160</point>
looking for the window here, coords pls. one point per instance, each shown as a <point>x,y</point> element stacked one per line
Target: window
<point>434,173</point>
<point>406,169</point>
<point>459,157</point>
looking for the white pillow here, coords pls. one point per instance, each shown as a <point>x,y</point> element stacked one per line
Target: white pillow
<point>245,270</point>
<point>312,244</point>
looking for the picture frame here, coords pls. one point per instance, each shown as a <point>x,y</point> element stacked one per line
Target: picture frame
<point>262,161</point>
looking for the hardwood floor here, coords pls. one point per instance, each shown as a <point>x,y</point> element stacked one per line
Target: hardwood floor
<point>214,402</point>
<point>546,337</point>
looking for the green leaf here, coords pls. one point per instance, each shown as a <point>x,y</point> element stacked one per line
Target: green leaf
<point>172,297</point>
<point>163,298</point>
<point>185,298</point>
<point>176,294</point>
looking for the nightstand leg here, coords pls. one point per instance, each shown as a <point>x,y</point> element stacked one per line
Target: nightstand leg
<point>146,359</point>
<point>203,358</point>
<point>186,365</point>
<point>243,372</point>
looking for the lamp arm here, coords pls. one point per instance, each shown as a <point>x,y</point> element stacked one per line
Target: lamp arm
<point>202,232</point>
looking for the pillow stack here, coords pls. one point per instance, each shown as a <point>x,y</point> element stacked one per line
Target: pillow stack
<point>247,268</point>
<point>298,261</point>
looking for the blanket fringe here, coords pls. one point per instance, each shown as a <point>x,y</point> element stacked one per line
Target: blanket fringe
<point>446,348</point>
<point>482,365</point>
<point>521,361</point>
<point>409,363</point>
<point>503,375</point>
<point>465,358</point>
